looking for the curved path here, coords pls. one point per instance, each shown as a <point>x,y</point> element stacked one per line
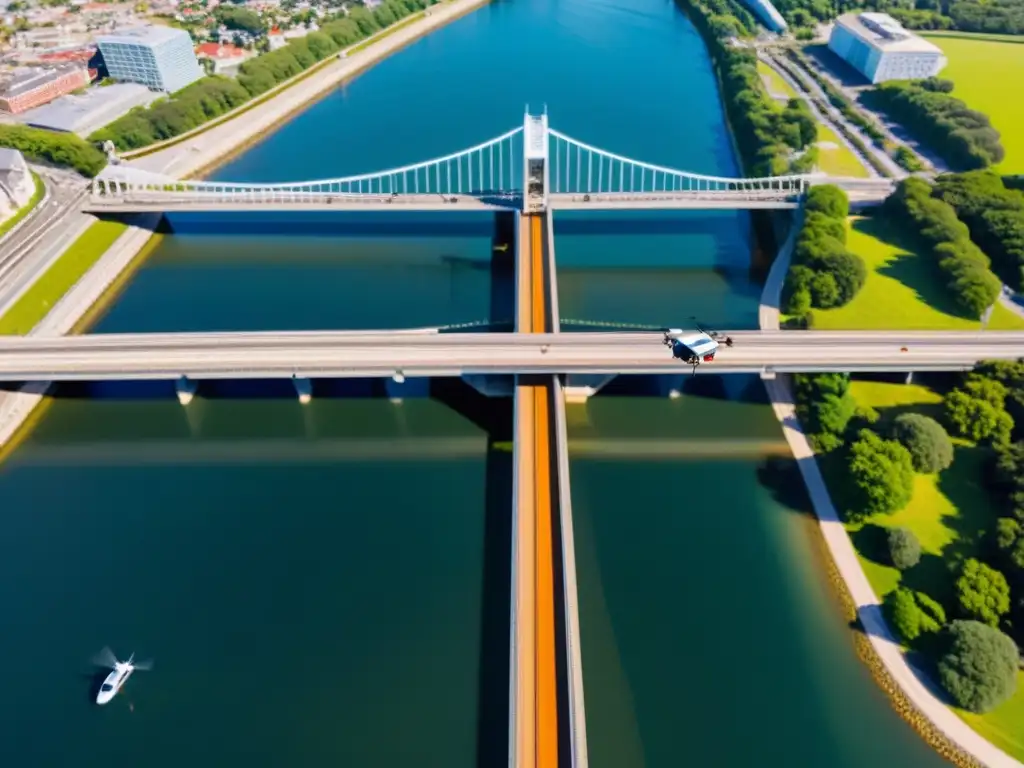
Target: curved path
<point>845,557</point>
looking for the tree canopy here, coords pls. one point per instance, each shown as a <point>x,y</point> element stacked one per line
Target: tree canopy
<point>980,668</point>
<point>982,592</point>
<point>881,476</point>
<point>930,447</point>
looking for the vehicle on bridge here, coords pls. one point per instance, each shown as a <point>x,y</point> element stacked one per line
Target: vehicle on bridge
<point>692,347</point>
<point>119,674</point>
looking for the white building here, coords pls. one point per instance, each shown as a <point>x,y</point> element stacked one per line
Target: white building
<point>878,47</point>
<point>160,58</point>
<point>16,183</point>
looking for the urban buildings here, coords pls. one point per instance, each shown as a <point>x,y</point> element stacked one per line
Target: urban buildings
<point>160,58</point>
<point>880,49</point>
<point>16,184</point>
<point>90,111</point>
<point>226,59</point>
<point>34,86</point>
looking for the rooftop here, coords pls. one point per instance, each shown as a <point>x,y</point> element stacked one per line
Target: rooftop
<point>882,31</point>
<point>28,79</point>
<point>90,111</point>
<point>151,35</point>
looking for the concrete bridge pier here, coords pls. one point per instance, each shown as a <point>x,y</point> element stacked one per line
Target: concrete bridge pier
<point>303,388</point>
<point>185,388</point>
<point>581,387</point>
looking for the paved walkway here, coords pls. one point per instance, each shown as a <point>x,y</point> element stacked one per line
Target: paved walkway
<point>867,603</point>
<point>771,296</point>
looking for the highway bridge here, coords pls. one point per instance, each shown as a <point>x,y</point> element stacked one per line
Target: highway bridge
<point>331,354</point>
<point>532,168</point>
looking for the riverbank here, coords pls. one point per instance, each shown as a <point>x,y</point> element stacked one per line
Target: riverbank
<point>99,285</point>
<point>223,141</point>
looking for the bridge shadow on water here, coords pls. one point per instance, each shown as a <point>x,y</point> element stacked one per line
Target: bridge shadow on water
<point>383,224</point>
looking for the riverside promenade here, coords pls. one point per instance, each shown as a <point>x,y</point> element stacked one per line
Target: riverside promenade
<point>949,728</point>
<point>215,145</point>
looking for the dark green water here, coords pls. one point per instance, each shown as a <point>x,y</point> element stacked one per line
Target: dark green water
<point>313,582</point>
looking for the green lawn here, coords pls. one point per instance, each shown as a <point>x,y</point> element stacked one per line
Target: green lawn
<point>773,82</point>
<point>59,278</point>
<point>988,73</point>
<point>901,291</point>
<point>950,515</point>
<point>835,158</point>
<point>8,224</point>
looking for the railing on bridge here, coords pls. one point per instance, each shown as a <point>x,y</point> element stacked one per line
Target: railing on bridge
<point>491,172</point>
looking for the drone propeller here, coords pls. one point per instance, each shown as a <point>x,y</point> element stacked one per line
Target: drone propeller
<point>105,658</point>
<point>143,666</point>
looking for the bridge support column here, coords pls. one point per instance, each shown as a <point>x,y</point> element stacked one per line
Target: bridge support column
<point>303,388</point>
<point>581,387</point>
<point>910,377</point>
<point>185,388</point>
<point>535,163</point>
<point>398,387</point>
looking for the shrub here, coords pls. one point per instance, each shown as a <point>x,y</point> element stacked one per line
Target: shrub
<point>913,614</point>
<point>828,200</point>
<point>881,476</point>
<point>824,403</point>
<point>980,668</point>
<point>930,447</point>
<point>904,548</point>
<point>982,592</point>
<point>64,149</point>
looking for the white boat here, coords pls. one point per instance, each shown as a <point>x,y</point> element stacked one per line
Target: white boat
<point>119,673</point>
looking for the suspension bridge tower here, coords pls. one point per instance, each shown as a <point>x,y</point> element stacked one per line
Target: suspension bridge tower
<point>535,163</point>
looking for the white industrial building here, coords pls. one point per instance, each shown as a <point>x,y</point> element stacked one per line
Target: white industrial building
<point>98,107</point>
<point>16,183</point>
<point>160,58</point>
<point>767,14</point>
<point>878,47</point>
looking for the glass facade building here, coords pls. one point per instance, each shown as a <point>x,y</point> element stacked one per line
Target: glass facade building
<point>161,58</point>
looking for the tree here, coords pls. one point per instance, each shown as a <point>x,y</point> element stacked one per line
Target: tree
<point>881,476</point>
<point>904,548</point>
<point>824,402</point>
<point>930,447</point>
<point>972,413</point>
<point>982,592</point>
<point>913,613</point>
<point>829,200</point>
<point>980,668</point>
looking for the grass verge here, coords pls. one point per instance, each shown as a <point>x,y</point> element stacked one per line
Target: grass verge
<point>27,208</point>
<point>835,158</point>
<point>984,70</point>
<point>41,297</point>
<point>902,290</point>
<point>773,82</point>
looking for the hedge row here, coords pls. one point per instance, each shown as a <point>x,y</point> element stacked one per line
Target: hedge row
<point>768,136</point>
<point>970,282</point>
<point>824,274</point>
<point>65,149</point>
<point>963,137</point>
<point>995,216</point>
<point>213,96</point>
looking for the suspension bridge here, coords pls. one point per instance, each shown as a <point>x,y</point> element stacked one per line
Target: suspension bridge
<point>532,168</point>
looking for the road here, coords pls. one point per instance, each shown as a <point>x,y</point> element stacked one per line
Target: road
<point>29,250</point>
<point>339,354</point>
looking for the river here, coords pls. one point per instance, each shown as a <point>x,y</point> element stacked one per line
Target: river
<point>316,583</point>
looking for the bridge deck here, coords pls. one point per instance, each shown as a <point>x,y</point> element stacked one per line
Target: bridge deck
<point>537,716</point>
<point>339,355</point>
